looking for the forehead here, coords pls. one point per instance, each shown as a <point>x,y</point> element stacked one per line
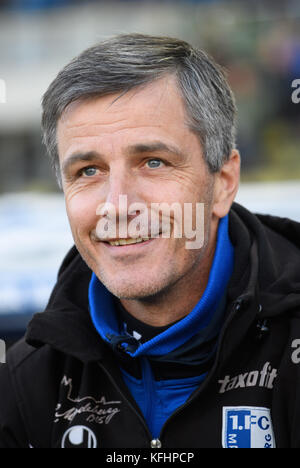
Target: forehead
<point>157,108</point>
<point>160,97</point>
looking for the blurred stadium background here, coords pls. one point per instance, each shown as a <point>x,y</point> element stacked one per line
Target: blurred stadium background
<point>257,41</point>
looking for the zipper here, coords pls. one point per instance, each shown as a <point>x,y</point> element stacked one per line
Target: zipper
<point>147,374</point>
<point>235,308</point>
<point>140,417</point>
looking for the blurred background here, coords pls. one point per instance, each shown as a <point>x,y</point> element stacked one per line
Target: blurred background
<point>257,41</point>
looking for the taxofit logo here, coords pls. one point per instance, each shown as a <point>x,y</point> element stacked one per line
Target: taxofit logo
<point>2,92</point>
<point>264,378</point>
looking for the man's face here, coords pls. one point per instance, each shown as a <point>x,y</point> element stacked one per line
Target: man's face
<point>136,145</point>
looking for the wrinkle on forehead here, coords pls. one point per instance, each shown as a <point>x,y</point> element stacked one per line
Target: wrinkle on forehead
<point>158,91</point>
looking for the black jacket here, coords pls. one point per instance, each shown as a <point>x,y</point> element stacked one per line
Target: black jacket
<point>62,386</point>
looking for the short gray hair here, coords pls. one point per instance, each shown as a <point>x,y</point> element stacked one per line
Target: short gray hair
<point>127,61</point>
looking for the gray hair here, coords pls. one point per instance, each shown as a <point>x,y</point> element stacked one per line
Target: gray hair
<point>130,60</point>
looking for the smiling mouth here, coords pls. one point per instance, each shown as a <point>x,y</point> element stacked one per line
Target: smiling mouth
<point>129,241</point>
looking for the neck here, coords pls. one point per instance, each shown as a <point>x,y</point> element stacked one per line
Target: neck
<point>177,300</point>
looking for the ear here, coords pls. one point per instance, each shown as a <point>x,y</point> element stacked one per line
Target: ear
<point>226,185</point>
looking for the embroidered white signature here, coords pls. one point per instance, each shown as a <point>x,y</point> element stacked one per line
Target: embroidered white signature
<point>100,411</point>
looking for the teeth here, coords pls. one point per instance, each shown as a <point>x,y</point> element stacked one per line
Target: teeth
<point>128,241</point>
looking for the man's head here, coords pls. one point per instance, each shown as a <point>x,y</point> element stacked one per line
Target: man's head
<point>128,61</point>
<point>153,119</point>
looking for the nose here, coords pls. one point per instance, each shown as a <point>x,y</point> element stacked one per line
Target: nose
<point>121,190</point>
<point>120,184</point>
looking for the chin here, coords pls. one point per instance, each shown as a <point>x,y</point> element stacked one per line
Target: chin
<point>131,291</point>
<point>134,289</point>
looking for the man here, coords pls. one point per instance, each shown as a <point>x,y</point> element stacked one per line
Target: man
<point>156,338</point>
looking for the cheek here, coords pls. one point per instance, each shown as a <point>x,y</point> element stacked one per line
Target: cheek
<point>81,211</point>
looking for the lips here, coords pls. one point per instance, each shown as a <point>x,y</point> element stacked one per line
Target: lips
<point>122,241</point>
<point>129,241</point>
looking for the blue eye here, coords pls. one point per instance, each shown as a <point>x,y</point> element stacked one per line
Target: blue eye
<point>89,171</point>
<point>154,163</point>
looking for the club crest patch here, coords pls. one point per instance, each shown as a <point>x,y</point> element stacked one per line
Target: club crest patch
<point>247,427</point>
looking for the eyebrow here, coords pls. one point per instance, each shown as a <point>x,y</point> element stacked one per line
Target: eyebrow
<point>154,148</point>
<point>79,157</point>
<point>139,148</point>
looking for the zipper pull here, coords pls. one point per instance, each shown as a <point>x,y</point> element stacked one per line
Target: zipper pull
<point>123,343</point>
